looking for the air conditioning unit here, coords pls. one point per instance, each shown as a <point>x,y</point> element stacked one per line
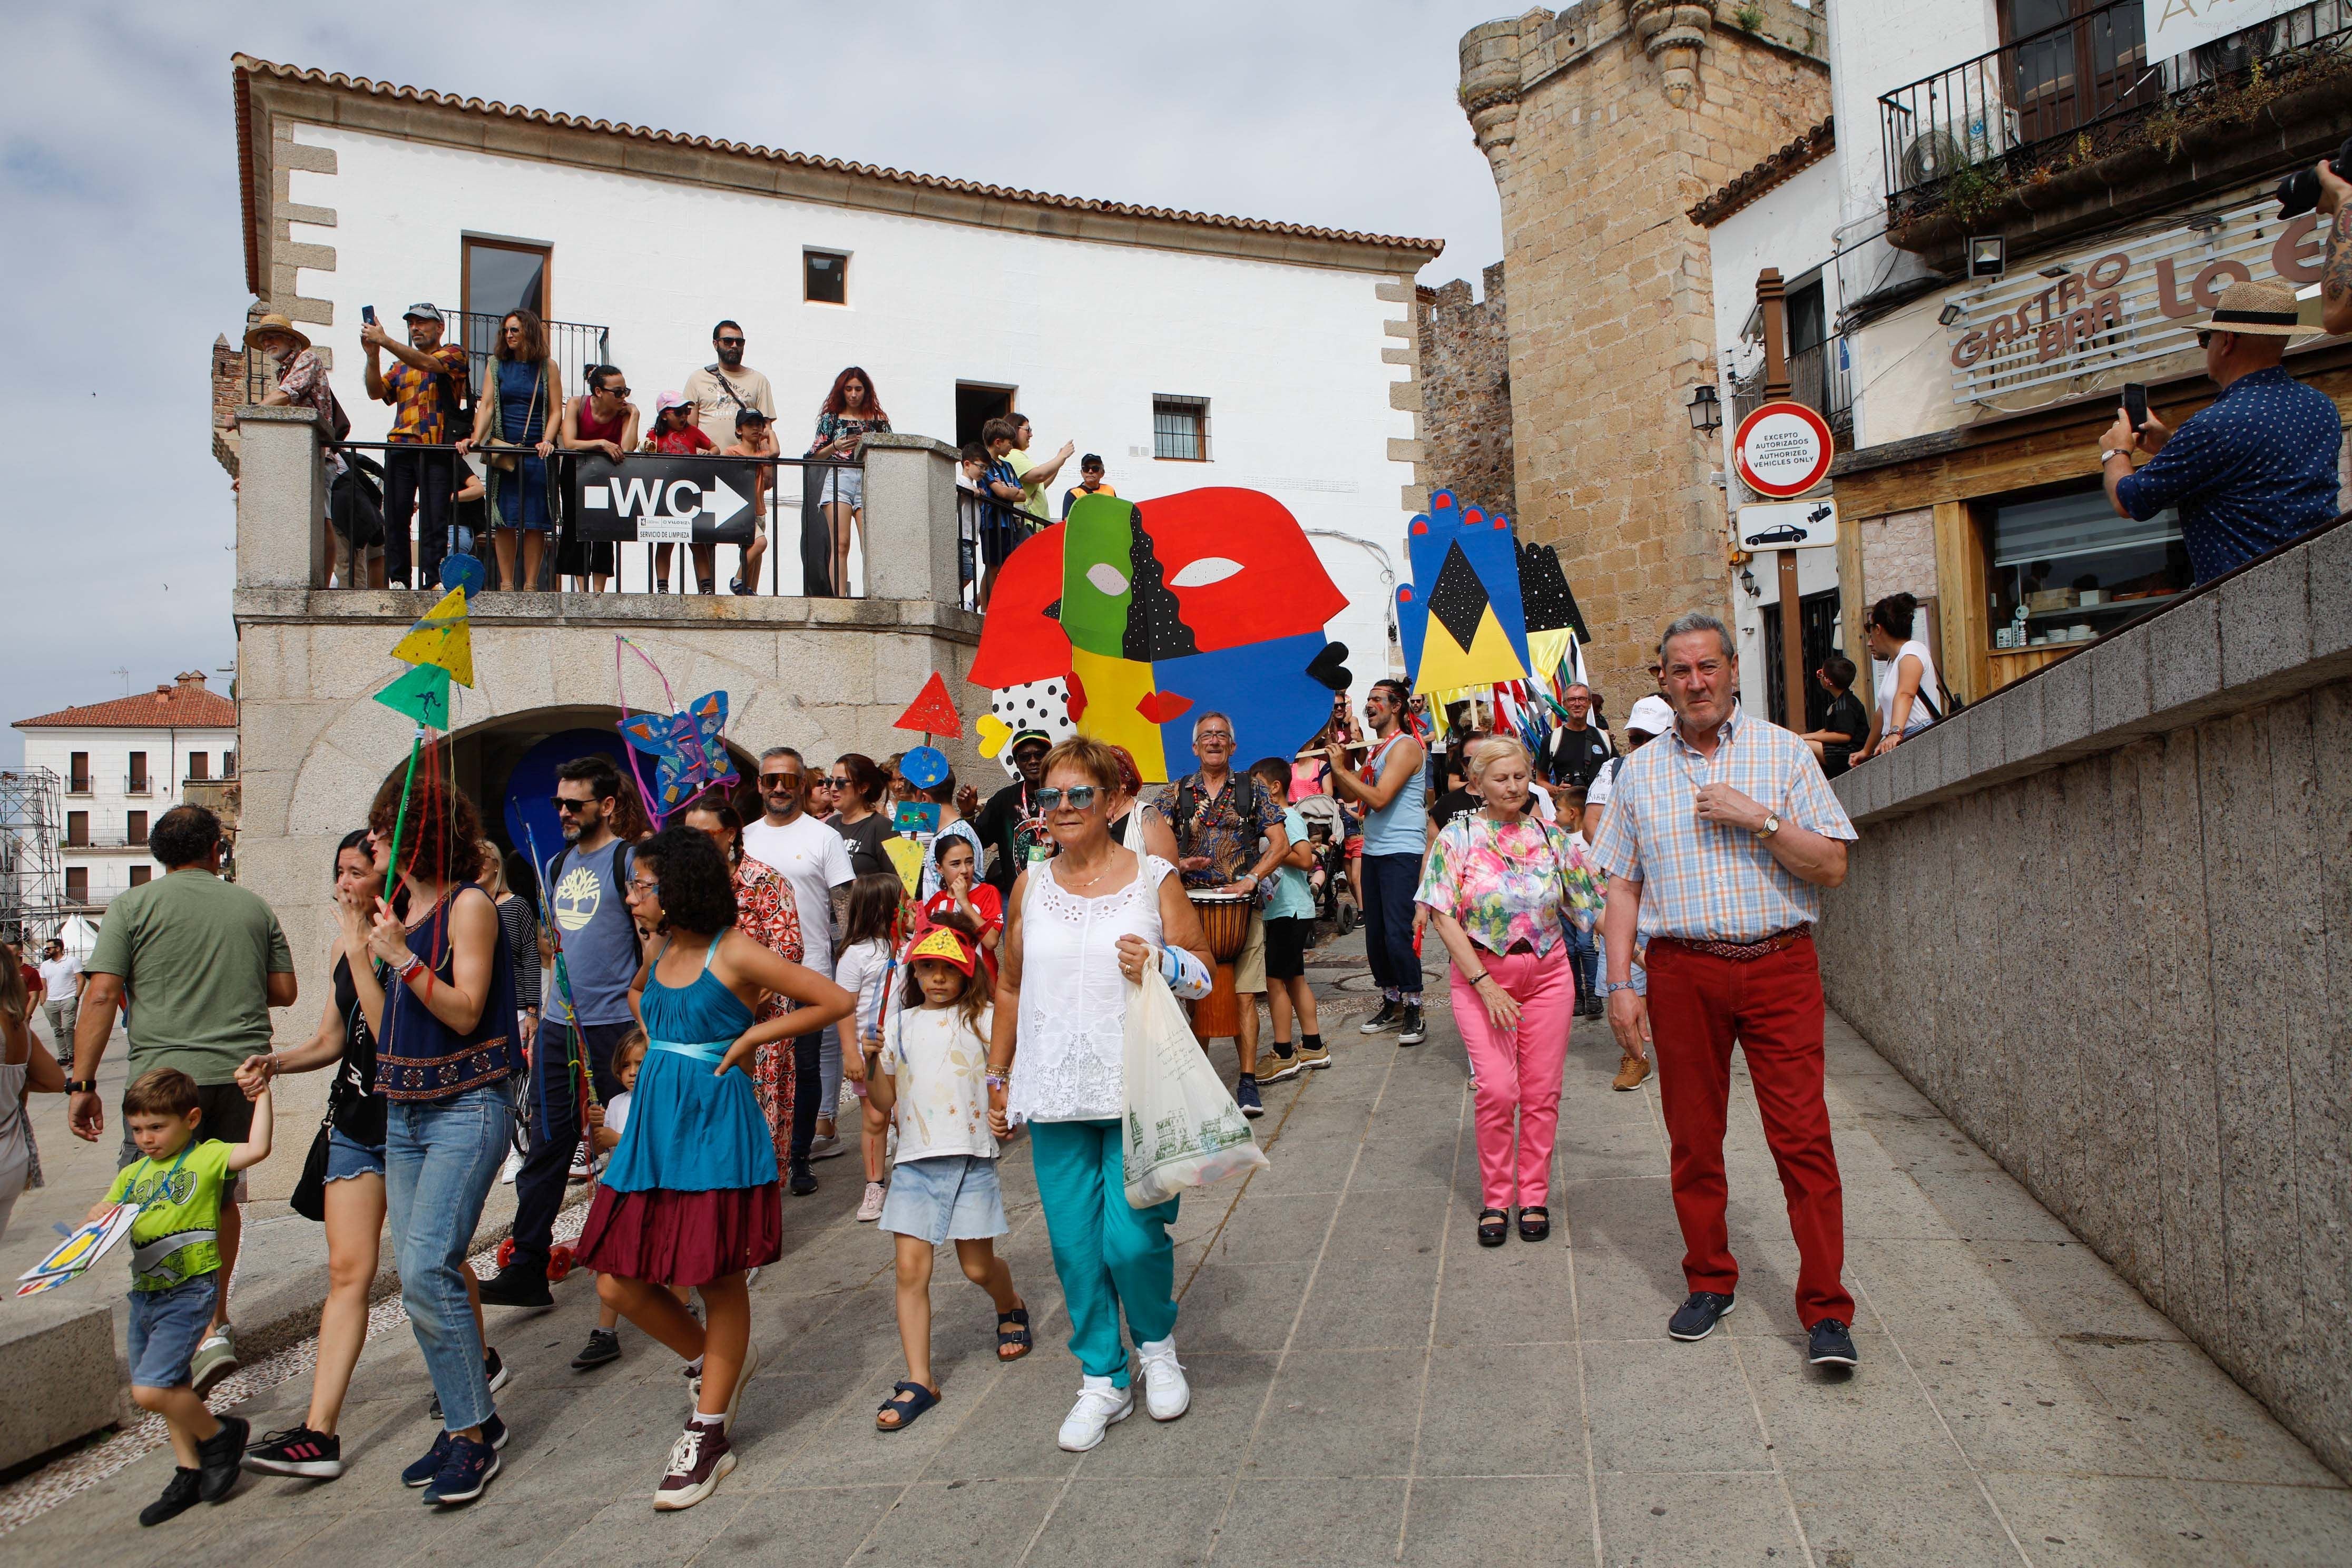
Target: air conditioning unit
<point>1931,155</point>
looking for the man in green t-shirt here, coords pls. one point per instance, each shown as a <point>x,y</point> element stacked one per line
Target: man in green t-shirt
<point>199,963</point>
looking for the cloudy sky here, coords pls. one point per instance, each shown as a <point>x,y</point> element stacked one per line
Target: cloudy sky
<point>121,241</point>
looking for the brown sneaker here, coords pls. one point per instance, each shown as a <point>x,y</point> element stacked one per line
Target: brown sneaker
<point>1631,1073</point>
<point>697,1461</point>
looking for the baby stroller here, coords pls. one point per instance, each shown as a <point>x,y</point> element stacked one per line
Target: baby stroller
<point>1327,878</point>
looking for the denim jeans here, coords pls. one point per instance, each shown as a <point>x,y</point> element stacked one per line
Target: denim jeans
<point>555,1131</point>
<point>439,1159</point>
<point>1585,957</point>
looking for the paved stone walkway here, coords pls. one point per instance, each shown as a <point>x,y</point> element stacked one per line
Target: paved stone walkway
<point>1371,1386</point>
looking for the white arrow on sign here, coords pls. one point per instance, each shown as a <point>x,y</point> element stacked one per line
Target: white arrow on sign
<point>718,492</point>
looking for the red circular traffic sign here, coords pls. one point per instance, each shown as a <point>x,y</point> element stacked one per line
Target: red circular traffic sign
<point>1783,449</point>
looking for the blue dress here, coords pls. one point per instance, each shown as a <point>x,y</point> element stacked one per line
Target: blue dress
<point>521,495</point>
<point>691,1194</point>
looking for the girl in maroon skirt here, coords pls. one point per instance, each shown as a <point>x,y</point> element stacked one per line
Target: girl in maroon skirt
<point>691,1197</point>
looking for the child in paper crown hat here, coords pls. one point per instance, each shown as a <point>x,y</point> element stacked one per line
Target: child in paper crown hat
<point>926,1066</point>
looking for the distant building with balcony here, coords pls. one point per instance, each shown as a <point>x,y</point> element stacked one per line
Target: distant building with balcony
<point>2123,185</point>
<point>125,763</point>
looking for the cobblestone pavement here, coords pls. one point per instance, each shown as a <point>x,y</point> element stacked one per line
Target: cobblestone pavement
<point>1371,1386</point>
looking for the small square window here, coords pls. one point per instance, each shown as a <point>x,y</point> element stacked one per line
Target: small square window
<point>824,277</point>
<point>1179,429</point>
<point>140,874</point>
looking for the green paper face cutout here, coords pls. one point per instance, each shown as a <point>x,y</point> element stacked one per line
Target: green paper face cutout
<point>423,693</point>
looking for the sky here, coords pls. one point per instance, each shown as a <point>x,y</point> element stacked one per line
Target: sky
<point>123,257</point>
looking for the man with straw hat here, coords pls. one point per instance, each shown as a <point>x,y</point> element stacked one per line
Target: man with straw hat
<point>2254,469</point>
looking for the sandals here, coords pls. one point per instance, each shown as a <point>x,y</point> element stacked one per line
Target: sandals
<point>1534,1229</point>
<point>1013,1333</point>
<point>910,1399</point>
<point>1494,1227</point>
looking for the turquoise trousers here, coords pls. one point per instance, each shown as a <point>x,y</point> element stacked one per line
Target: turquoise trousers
<point>1108,1255</point>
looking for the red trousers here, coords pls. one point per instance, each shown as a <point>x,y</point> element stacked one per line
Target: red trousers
<point>1772,1006</point>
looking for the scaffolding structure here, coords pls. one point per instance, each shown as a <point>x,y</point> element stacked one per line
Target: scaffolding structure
<point>33,905</point>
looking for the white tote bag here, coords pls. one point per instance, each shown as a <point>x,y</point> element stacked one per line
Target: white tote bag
<point>1183,1129</point>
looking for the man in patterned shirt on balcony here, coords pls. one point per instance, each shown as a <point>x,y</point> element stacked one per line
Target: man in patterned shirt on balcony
<point>425,386</point>
<point>1718,839</point>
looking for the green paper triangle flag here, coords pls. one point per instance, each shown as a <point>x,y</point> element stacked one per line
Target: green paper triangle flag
<point>423,693</point>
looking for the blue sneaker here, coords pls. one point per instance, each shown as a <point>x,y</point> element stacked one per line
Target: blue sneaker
<point>1245,1096</point>
<point>465,1473</point>
<point>422,1472</point>
<point>1696,1317</point>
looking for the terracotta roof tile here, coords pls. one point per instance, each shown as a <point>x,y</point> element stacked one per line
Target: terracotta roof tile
<point>182,707</point>
<point>245,63</point>
<point>1802,153</point>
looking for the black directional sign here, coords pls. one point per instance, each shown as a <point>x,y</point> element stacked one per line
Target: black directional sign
<point>650,499</point>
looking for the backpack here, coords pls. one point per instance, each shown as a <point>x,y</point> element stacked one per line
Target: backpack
<point>1245,790</point>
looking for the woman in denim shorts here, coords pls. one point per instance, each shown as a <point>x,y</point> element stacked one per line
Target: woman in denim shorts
<point>355,1190</point>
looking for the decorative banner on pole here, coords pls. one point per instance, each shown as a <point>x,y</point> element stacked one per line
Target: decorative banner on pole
<point>423,694</point>
<point>1461,617</point>
<point>444,638</point>
<point>933,711</point>
<point>692,755</point>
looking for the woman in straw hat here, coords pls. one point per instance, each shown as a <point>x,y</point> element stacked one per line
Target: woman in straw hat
<point>301,381</point>
<point>2254,469</point>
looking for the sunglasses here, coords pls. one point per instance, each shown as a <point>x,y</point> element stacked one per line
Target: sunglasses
<point>1080,797</point>
<point>729,342</point>
<point>780,781</point>
<point>566,807</point>
<point>615,391</point>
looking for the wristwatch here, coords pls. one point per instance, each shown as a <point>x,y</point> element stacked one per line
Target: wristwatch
<point>2112,452</point>
<point>1772,825</point>
<point>81,1085</point>
<point>1610,987</point>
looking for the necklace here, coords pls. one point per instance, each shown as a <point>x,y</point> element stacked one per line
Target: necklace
<point>1076,884</point>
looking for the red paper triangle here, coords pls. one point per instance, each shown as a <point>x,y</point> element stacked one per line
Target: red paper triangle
<point>932,711</point>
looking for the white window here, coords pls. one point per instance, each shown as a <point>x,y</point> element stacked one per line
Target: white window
<point>1180,428</point>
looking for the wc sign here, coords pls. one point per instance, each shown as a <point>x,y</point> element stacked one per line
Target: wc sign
<point>652,499</point>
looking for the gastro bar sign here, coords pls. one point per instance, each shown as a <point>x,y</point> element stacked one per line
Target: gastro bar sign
<point>1783,449</point>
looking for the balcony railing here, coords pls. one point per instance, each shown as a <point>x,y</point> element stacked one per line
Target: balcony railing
<point>138,784</point>
<point>572,345</point>
<point>1818,378</point>
<point>2089,72</point>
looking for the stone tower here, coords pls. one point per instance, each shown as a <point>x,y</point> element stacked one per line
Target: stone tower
<point>1604,122</point>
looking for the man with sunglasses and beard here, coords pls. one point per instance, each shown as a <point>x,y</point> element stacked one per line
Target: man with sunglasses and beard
<point>816,860</point>
<point>587,898</point>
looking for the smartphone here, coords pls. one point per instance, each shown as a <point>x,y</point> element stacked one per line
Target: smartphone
<point>2135,403</point>
<point>367,314</point>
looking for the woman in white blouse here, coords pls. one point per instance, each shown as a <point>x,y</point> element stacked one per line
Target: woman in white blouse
<point>1082,928</point>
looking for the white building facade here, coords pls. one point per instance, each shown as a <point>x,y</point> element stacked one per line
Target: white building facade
<point>1186,351</point>
<point>122,764</point>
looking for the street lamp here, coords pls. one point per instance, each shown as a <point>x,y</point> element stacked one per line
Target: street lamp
<point>1706,412</point>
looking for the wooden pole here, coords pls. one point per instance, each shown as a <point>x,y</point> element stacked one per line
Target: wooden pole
<point>1771,297</point>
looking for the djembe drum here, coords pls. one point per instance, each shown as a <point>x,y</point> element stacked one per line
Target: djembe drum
<point>1226,918</point>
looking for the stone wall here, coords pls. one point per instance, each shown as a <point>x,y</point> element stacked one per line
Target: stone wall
<point>1604,122</point>
<point>1466,394</point>
<point>1898,553</point>
<point>2104,919</point>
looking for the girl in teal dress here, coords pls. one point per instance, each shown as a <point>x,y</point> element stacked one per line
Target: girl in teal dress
<point>691,1197</point>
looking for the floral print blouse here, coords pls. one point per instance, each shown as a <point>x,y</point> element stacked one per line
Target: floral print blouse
<point>1505,886</point>
<point>766,913</point>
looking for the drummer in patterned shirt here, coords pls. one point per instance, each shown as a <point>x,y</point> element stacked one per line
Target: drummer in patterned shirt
<point>1230,837</point>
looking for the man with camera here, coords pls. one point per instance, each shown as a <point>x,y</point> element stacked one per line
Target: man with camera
<point>425,386</point>
<point>2253,470</point>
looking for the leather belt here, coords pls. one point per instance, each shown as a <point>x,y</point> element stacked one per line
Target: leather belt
<point>1740,952</point>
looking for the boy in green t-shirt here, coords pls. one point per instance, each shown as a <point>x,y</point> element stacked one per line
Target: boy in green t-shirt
<point>174,1270</point>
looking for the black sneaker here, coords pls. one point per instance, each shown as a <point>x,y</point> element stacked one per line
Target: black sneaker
<point>297,1451</point>
<point>602,1349</point>
<point>466,1470</point>
<point>1831,1345</point>
<point>220,1458</point>
<point>515,1286</point>
<point>1245,1096</point>
<point>1696,1317</point>
<point>1386,1018</point>
<point>179,1497</point>
<point>803,1180</point>
<point>494,1372</point>
<point>421,1473</point>
<point>1412,1032</point>
<point>1276,1066</point>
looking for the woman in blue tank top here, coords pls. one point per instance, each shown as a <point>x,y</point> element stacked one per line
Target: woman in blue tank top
<point>691,1197</point>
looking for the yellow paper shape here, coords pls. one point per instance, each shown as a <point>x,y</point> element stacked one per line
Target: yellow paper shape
<point>443,637</point>
<point>907,859</point>
<point>1113,688</point>
<point>1446,666</point>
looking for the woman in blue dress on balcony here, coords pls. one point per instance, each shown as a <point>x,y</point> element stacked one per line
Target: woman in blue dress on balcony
<point>691,1197</point>
<point>526,405</point>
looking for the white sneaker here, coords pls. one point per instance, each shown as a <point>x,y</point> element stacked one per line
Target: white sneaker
<point>1099,1406</point>
<point>580,1158</point>
<point>869,1209</point>
<point>1166,1394</point>
<point>507,1172</point>
<point>827,1147</point>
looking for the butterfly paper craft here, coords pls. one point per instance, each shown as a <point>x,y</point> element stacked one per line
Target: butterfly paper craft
<point>692,756</point>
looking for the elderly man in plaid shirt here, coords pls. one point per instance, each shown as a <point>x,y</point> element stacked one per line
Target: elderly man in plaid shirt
<point>1718,839</point>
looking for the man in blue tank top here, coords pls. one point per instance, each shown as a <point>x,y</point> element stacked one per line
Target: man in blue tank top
<point>587,899</point>
<point>1391,788</point>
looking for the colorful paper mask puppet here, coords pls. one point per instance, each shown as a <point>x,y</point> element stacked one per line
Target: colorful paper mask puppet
<point>1159,612</point>
<point>1461,617</point>
<point>692,756</point>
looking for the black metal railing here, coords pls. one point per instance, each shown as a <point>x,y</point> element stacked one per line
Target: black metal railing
<point>1818,378</point>
<point>2088,71</point>
<point>630,567</point>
